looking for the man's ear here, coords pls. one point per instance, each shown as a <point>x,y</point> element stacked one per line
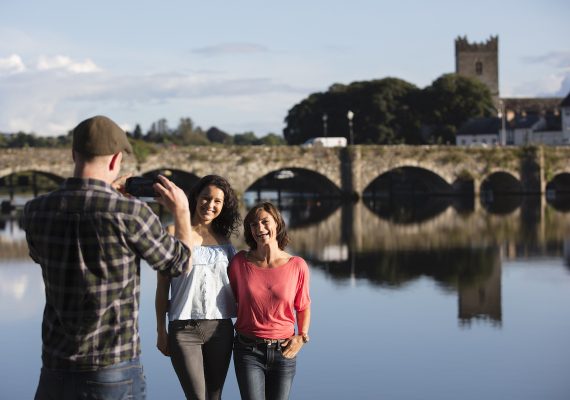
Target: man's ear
<point>116,161</point>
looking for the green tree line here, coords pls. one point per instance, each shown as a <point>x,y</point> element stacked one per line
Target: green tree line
<point>185,134</point>
<point>390,111</point>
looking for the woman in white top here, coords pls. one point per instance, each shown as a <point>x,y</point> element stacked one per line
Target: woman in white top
<point>200,331</point>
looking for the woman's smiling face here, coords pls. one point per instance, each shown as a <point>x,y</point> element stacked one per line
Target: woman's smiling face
<point>263,228</point>
<point>209,203</point>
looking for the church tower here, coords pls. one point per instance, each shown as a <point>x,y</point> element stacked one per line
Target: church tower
<point>479,61</point>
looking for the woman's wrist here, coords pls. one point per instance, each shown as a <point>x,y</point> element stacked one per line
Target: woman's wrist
<point>304,337</point>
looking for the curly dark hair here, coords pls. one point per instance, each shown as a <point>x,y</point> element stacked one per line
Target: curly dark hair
<point>282,236</point>
<point>227,223</point>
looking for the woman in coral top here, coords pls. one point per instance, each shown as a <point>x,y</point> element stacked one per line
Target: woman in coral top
<point>272,291</point>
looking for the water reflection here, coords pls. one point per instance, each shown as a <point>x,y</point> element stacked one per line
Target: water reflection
<point>464,284</point>
<point>457,242</point>
<point>409,209</point>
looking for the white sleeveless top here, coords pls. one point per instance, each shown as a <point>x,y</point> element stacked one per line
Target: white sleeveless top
<point>205,292</point>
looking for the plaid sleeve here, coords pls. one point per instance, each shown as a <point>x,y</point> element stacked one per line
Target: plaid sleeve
<point>161,251</point>
<point>24,223</point>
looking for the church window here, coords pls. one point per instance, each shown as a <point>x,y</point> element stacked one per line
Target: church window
<point>479,68</point>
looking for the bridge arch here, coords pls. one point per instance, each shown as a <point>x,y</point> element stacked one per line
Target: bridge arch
<point>558,192</point>
<point>501,193</point>
<point>407,180</point>
<point>300,181</point>
<point>560,183</point>
<point>408,194</point>
<point>501,182</point>
<point>51,176</point>
<point>311,197</point>
<point>183,179</point>
<point>29,181</point>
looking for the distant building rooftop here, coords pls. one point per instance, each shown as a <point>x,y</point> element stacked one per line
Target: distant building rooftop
<point>532,105</point>
<point>525,122</point>
<point>566,101</point>
<point>481,126</point>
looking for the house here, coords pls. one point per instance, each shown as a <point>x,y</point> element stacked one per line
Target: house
<point>523,128</point>
<point>528,128</point>
<point>550,132</point>
<point>480,132</point>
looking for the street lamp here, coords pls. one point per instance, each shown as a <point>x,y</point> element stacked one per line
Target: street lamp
<point>502,136</point>
<point>325,117</point>
<point>350,115</point>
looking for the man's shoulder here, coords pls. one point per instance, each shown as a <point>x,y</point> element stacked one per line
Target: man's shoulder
<point>39,201</point>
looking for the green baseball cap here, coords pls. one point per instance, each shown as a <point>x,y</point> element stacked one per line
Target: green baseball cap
<point>100,136</point>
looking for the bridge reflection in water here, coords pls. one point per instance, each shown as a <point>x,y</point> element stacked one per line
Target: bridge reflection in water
<point>390,237</point>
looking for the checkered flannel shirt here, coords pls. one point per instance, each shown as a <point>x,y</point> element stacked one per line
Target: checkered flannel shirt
<point>89,240</point>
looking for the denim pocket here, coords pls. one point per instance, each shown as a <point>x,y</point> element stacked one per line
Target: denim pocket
<point>121,390</point>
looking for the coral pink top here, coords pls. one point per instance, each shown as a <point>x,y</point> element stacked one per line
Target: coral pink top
<point>269,297</point>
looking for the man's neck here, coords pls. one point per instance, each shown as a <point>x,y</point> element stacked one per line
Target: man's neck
<point>91,173</point>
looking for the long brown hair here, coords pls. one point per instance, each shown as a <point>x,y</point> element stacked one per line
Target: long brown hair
<point>229,219</point>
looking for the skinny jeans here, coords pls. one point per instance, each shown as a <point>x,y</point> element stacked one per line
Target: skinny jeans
<point>200,352</point>
<point>262,372</point>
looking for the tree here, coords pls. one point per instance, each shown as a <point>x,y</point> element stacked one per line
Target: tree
<point>449,102</point>
<point>390,110</point>
<point>216,135</point>
<point>246,138</point>
<point>381,113</point>
<point>137,133</point>
<point>271,139</point>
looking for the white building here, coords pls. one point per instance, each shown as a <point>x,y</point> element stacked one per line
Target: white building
<point>480,132</point>
<point>530,129</point>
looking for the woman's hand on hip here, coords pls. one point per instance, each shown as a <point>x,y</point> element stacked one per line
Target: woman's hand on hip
<point>290,347</point>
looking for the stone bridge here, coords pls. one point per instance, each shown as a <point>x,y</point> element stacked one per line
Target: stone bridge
<point>350,169</point>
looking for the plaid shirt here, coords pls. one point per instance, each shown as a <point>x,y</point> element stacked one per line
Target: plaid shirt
<point>89,240</point>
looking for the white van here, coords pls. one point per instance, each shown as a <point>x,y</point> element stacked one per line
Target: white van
<point>325,142</point>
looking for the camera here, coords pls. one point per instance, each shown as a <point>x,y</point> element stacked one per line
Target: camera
<point>140,186</point>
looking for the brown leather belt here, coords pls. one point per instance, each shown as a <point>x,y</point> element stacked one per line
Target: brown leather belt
<point>256,340</point>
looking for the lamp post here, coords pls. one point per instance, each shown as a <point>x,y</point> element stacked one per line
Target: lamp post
<point>350,115</point>
<point>325,117</point>
<point>503,134</point>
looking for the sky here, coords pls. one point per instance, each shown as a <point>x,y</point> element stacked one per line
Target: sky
<point>241,66</point>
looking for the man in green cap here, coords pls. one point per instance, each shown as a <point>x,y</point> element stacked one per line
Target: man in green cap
<point>89,239</point>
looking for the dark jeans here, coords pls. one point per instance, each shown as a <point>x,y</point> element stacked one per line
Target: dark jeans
<point>200,352</point>
<point>261,370</point>
<point>120,381</point>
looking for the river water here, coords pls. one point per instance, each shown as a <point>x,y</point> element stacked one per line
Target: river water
<point>412,299</point>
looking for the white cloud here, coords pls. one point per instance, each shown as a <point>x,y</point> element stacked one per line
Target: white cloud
<point>557,59</point>
<point>66,63</point>
<point>12,64</point>
<point>565,86</point>
<point>549,85</point>
<point>48,102</point>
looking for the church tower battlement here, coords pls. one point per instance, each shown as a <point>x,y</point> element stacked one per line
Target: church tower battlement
<point>479,61</point>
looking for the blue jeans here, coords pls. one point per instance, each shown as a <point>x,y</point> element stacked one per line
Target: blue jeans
<point>261,370</point>
<point>124,380</point>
